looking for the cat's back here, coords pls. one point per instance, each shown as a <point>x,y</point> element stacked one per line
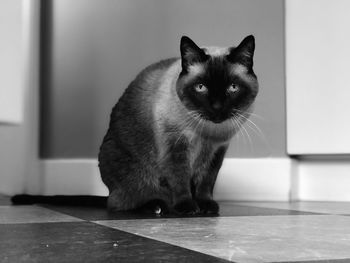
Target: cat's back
<point>138,98</point>
<point>133,113</point>
<point>152,76</point>
<point>141,92</point>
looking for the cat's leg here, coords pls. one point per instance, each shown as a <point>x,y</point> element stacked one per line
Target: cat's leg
<point>204,188</point>
<point>149,204</point>
<point>158,199</point>
<point>136,193</point>
<point>144,198</point>
<point>118,200</point>
<point>133,182</point>
<point>117,168</point>
<point>179,179</point>
<point>133,192</point>
<point>156,206</point>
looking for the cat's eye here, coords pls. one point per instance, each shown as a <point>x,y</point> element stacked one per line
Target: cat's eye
<point>201,88</point>
<point>233,88</point>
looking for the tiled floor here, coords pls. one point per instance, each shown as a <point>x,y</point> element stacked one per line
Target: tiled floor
<point>244,232</point>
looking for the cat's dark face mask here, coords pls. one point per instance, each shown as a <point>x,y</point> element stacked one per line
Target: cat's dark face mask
<point>218,84</point>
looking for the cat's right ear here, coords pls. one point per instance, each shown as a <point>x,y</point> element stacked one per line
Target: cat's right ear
<point>190,53</point>
<point>244,52</point>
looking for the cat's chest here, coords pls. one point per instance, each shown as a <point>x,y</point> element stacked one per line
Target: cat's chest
<point>199,151</point>
<point>195,152</point>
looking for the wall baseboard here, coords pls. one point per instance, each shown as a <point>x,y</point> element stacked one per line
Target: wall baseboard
<point>266,179</point>
<point>262,179</point>
<point>323,180</point>
<point>72,177</point>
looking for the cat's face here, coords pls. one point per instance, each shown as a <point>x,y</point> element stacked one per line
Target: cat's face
<point>217,83</point>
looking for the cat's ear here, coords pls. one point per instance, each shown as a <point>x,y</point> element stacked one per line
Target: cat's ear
<point>190,53</point>
<point>244,52</point>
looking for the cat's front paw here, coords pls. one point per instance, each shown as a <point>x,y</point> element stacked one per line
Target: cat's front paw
<point>187,207</point>
<point>208,206</point>
<point>155,206</point>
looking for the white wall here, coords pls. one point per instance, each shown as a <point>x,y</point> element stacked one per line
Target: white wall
<point>318,98</point>
<point>19,89</point>
<point>98,47</point>
<point>317,70</point>
<point>251,179</point>
<point>11,89</point>
<point>324,179</point>
<point>93,74</point>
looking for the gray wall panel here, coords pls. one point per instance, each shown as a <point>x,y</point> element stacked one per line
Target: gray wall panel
<point>99,46</point>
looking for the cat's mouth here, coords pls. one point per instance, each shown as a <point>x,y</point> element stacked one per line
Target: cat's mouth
<point>218,129</point>
<point>218,118</point>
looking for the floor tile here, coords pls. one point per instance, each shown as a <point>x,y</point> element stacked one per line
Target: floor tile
<point>234,209</point>
<point>85,213</point>
<point>31,214</point>
<point>226,209</point>
<point>86,242</point>
<point>251,239</point>
<point>4,200</point>
<point>345,260</point>
<point>337,208</point>
<point>94,214</point>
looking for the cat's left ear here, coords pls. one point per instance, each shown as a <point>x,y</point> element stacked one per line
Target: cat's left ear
<point>244,52</point>
<point>190,53</point>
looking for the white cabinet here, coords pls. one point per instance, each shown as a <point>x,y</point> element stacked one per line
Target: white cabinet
<point>11,69</point>
<point>318,76</point>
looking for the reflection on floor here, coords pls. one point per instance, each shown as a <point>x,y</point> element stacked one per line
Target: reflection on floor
<point>244,232</point>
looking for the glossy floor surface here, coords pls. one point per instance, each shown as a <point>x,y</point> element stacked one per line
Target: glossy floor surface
<point>244,232</point>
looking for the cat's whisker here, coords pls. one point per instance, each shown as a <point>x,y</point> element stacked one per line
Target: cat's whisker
<point>239,125</point>
<point>249,138</point>
<point>256,129</point>
<point>195,129</point>
<point>189,120</point>
<point>198,119</point>
<point>187,124</point>
<point>203,124</point>
<point>236,133</point>
<point>249,113</point>
<point>247,121</point>
<point>194,116</point>
<point>260,135</point>
<point>245,134</point>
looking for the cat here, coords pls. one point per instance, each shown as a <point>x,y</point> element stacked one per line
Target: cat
<point>170,130</point>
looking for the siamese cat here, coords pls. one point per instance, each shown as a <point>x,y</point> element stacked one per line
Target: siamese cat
<point>169,131</point>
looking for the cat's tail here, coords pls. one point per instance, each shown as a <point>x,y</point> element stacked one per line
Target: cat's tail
<point>64,200</point>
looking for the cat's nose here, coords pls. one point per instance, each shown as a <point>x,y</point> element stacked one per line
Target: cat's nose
<point>217,105</point>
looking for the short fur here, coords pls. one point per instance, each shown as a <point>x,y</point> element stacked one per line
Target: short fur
<point>166,140</point>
